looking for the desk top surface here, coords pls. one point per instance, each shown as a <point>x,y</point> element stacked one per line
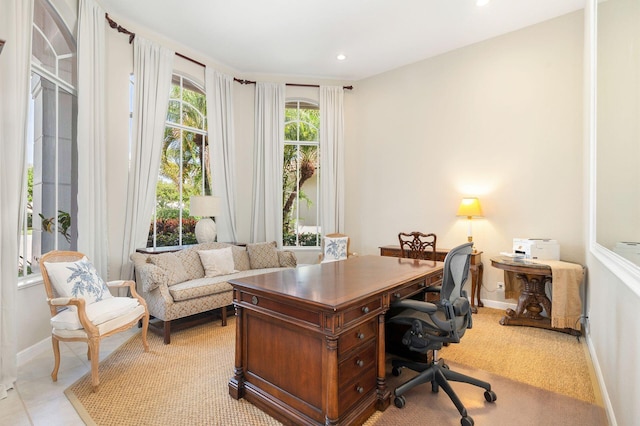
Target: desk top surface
<point>335,284</point>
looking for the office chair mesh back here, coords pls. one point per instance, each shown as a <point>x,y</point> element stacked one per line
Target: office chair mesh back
<point>432,325</point>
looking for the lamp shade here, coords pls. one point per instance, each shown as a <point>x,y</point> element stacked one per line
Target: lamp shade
<point>470,207</point>
<point>204,206</point>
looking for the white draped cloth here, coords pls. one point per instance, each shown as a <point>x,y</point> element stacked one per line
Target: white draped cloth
<point>15,26</point>
<point>92,191</point>
<point>268,152</point>
<point>331,159</point>
<point>219,90</point>
<point>152,71</point>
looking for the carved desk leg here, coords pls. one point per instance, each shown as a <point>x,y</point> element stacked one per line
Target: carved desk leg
<point>236,383</point>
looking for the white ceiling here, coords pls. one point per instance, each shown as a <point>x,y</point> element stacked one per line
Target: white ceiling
<point>303,37</point>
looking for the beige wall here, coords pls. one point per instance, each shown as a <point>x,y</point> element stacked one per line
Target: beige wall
<point>501,120</point>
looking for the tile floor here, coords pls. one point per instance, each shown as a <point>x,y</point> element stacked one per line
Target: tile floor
<point>37,400</point>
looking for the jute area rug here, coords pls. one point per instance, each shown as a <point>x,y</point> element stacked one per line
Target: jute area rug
<point>185,383</point>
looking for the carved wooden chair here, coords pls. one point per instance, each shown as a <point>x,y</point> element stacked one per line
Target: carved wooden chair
<point>417,245</point>
<point>83,309</point>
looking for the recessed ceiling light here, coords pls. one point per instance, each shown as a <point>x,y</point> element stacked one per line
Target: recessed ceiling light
<point>482,2</point>
<point>341,57</point>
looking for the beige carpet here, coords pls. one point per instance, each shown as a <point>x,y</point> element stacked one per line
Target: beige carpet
<point>185,383</point>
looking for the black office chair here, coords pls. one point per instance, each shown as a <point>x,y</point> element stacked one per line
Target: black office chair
<point>433,324</point>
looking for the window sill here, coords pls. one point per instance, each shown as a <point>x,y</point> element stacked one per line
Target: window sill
<point>30,281</point>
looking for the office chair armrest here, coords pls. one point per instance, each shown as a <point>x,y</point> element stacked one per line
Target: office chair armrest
<point>433,289</point>
<point>418,305</point>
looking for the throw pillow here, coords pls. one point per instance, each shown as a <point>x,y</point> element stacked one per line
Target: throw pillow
<point>191,262</point>
<point>263,255</point>
<point>217,262</point>
<point>172,265</point>
<point>287,259</point>
<point>335,248</point>
<point>77,279</point>
<point>241,258</point>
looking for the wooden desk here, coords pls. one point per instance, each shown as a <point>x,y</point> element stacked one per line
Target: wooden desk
<point>532,300</point>
<point>476,267</point>
<point>310,343</point>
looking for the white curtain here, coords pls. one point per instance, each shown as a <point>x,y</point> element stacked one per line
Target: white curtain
<point>219,90</point>
<point>266,220</point>
<point>152,70</point>
<point>332,159</point>
<point>92,197</point>
<point>15,28</point>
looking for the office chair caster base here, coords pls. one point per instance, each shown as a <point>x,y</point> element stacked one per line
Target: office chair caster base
<point>466,421</point>
<point>490,396</point>
<point>396,371</point>
<point>400,401</point>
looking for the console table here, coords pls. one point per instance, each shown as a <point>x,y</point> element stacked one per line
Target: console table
<point>534,276</point>
<point>476,267</point>
<point>310,341</point>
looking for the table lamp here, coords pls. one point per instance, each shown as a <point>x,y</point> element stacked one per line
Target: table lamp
<point>470,207</point>
<point>205,206</point>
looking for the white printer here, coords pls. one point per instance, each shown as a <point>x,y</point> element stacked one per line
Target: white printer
<point>537,248</point>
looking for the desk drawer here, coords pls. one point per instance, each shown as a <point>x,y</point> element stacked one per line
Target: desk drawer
<point>409,290</point>
<point>357,363</point>
<point>357,336</point>
<point>370,307</point>
<point>435,279</point>
<point>351,392</point>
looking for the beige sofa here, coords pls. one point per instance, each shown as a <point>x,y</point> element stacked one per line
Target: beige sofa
<point>175,284</point>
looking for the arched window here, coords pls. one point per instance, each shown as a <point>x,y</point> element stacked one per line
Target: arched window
<point>300,177</point>
<point>50,222</point>
<point>184,165</point>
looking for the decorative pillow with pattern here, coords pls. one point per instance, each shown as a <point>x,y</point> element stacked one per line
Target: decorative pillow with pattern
<point>263,255</point>
<point>191,262</point>
<point>335,249</point>
<point>241,258</point>
<point>287,259</point>
<point>77,279</point>
<point>172,265</point>
<point>217,262</point>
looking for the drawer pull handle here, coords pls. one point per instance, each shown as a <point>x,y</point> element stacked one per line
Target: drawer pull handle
<point>359,389</point>
<point>254,300</point>
<point>397,295</point>
<point>365,310</point>
<point>360,363</point>
<point>423,284</point>
<point>360,335</point>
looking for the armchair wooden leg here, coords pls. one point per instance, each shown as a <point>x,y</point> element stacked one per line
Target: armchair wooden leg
<point>56,357</point>
<point>145,327</point>
<point>94,350</point>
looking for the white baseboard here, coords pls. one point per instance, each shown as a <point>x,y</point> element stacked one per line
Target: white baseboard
<point>33,351</point>
<point>495,304</point>
<point>608,408</point>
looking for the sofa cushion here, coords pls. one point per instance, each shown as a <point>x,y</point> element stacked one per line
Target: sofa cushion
<point>172,265</point>
<point>77,279</point>
<point>287,259</point>
<point>191,262</point>
<point>98,313</point>
<point>241,258</point>
<point>199,288</point>
<point>217,262</point>
<point>263,255</point>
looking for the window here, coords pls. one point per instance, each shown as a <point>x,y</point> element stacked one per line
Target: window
<point>49,222</point>
<point>184,165</point>
<point>300,183</point>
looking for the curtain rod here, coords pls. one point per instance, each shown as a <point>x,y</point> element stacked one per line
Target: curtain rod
<point>288,84</point>
<point>121,29</point>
